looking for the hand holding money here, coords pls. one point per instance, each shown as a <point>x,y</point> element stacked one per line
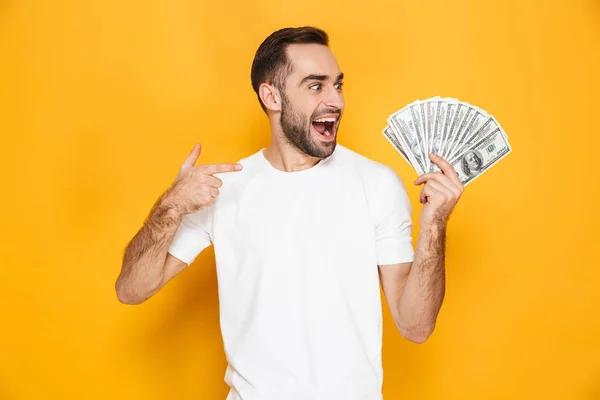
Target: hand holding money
<point>195,186</point>
<point>468,137</point>
<point>439,194</point>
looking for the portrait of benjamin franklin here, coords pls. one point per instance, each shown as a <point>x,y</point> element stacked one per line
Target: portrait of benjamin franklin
<point>472,162</point>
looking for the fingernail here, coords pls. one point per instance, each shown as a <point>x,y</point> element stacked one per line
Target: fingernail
<point>239,167</point>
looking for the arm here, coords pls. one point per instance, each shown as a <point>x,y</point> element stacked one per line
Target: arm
<point>147,265</point>
<point>415,291</point>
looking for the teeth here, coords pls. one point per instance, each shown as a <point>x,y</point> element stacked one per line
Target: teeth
<point>327,133</point>
<point>329,119</point>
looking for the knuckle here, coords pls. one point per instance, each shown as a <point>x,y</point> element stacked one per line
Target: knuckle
<point>182,173</point>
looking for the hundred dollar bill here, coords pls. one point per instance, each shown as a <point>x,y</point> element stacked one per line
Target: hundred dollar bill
<point>436,139</point>
<point>481,156</point>
<point>489,124</point>
<point>451,110</point>
<point>477,119</point>
<point>417,121</point>
<point>422,114</point>
<point>463,113</point>
<point>406,130</point>
<point>430,109</point>
<point>441,108</point>
<point>389,134</point>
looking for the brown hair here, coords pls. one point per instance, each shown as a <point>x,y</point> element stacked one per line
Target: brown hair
<point>271,64</point>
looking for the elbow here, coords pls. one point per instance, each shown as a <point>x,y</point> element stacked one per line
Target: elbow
<point>127,296</point>
<point>417,335</point>
<point>127,299</point>
<point>418,338</point>
<point>124,297</point>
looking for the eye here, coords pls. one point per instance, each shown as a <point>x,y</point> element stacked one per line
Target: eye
<point>339,85</point>
<point>316,87</point>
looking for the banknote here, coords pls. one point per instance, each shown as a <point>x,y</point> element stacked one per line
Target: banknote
<point>476,120</point>
<point>421,113</point>
<point>416,113</point>
<point>458,117</point>
<point>407,133</point>
<point>441,108</point>
<point>430,109</point>
<point>467,136</point>
<point>481,156</point>
<point>451,107</point>
<point>389,134</point>
<point>487,126</point>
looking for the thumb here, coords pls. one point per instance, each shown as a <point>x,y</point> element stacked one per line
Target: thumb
<point>193,156</point>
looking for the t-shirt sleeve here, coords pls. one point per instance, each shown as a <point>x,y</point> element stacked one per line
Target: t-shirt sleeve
<point>192,236</point>
<point>393,222</point>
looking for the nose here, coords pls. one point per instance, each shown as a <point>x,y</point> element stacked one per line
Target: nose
<point>334,99</point>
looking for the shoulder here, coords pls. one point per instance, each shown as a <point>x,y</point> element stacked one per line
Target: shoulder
<point>367,168</point>
<point>384,189</point>
<point>251,165</point>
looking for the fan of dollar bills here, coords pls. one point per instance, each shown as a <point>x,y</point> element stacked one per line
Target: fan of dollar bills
<point>466,136</point>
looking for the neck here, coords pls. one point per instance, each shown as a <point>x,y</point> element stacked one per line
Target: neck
<point>286,157</point>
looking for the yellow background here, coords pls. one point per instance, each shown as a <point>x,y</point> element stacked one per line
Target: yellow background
<point>100,102</point>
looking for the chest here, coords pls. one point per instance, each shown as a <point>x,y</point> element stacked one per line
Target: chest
<point>319,221</point>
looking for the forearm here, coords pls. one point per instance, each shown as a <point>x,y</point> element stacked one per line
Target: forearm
<point>423,294</point>
<point>145,255</point>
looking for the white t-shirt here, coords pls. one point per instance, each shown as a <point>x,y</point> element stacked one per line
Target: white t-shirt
<point>298,282</point>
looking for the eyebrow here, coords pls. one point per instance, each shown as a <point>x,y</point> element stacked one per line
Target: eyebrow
<point>322,78</point>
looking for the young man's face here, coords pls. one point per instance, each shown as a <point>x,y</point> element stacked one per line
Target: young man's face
<point>312,102</point>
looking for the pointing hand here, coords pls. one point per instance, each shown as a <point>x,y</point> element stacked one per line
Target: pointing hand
<point>195,186</point>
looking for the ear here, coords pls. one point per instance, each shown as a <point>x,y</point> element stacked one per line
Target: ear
<point>270,97</point>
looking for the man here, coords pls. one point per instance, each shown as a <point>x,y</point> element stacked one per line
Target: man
<point>302,235</point>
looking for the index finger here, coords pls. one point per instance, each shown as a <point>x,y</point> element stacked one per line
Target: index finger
<point>445,167</point>
<point>220,168</point>
<point>193,156</point>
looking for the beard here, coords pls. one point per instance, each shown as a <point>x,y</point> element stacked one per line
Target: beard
<point>296,128</point>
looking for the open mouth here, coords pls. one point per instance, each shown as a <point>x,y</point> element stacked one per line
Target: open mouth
<point>325,126</point>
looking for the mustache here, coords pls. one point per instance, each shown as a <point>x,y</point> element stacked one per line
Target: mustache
<point>325,112</point>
